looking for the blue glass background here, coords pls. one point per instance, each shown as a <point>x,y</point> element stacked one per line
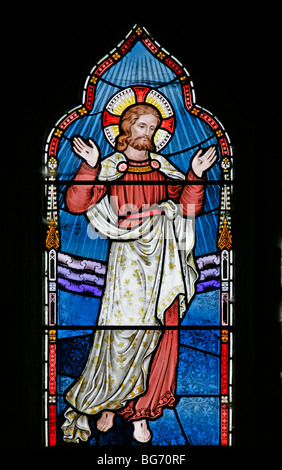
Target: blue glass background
<point>139,67</point>
<point>194,420</point>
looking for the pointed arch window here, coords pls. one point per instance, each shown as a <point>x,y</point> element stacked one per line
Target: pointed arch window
<point>139,292</point>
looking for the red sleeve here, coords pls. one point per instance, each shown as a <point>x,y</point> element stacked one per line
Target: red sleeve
<point>80,197</point>
<point>190,197</point>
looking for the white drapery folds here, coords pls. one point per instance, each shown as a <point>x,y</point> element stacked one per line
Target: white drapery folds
<point>153,267</point>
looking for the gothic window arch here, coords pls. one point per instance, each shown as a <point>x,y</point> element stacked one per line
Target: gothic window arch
<point>98,285</point>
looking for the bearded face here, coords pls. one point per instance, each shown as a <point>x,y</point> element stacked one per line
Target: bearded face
<point>142,132</point>
<point>138,127</point>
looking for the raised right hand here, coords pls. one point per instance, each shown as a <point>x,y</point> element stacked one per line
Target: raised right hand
<point>88,151</point>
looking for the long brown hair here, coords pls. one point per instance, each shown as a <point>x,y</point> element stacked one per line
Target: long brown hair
<point>129,118</point>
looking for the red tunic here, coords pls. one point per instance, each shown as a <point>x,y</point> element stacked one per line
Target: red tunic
<point>134,198</point>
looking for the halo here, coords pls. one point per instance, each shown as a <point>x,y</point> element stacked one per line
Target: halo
<point>139,95</point>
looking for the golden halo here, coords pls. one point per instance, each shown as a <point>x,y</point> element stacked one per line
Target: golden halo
<point>138,94</point>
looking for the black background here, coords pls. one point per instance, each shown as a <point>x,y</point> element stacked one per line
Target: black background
<point>233,57</point>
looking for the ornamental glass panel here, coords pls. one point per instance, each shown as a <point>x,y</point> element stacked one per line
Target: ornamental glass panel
<point>138,304</point>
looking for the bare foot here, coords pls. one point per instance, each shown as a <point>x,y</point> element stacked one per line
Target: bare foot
<point>106,421</point>
<point>141,431</point>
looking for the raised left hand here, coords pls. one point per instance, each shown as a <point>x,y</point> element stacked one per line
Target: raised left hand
<point>203,160</point>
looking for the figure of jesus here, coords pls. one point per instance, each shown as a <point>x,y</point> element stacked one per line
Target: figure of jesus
<point>133,371</point>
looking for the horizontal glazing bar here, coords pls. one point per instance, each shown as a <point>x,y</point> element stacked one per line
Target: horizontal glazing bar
<point>139,183</point>
<point>210,353</point>
<point>138,327</point>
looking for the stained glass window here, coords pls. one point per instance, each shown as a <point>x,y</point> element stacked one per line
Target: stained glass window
<point>139,289</point>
